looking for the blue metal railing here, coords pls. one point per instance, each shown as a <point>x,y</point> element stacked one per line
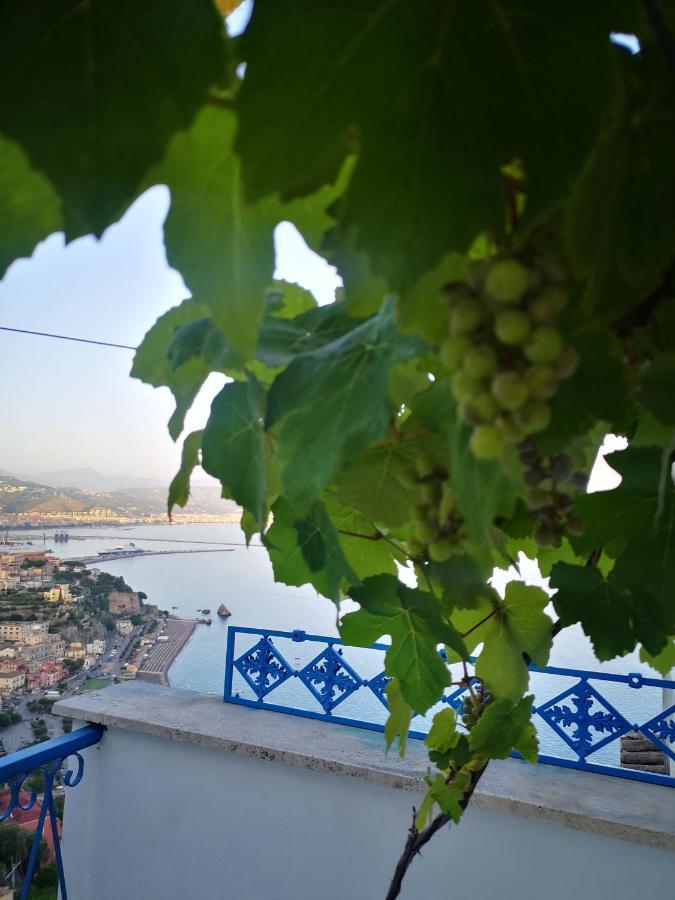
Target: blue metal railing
<point>47,758</point>
<point>580,715</point>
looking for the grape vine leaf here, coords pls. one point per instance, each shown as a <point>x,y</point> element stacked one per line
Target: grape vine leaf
<point>179,489</point>
<point>605,610</point>
<point>425,180</point>
<point>398,721</point>
<point>333,402</point>
<point>223,246</point>
<point>153,366</point>
<point>305,548</point>
<point>505,726</point>
<point>68,70</point>
<point>621,220</point>
<point>598,390</point>
<point>663,662</point>
<point>627,513</point>
<point>413,619</point>
<point>233,445</point>
<point>29,206</point>
<point>367,554</point>
<point>376,482</point>
<point>507,629</point>
<point>657,388</point>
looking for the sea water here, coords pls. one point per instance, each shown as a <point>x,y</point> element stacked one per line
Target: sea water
<point>242,579</point>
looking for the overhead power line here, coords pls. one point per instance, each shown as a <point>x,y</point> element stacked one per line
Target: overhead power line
<point>66,337</point>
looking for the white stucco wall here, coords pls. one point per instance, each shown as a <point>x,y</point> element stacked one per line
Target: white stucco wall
<point>156,819</point>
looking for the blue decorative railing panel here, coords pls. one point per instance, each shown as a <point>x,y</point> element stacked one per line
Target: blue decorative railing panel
<point>48,758</point>
<point>580,715</point>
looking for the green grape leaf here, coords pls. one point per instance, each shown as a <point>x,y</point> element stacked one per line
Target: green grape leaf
<point>450,797</point>
<point>398,721</point>
<point>377,483</point>
<point>288,300</point>
<point>627,513</point>
<point>91,111</point>
<point>305,548</point>
<point>657,388</point>
<point>29,206</point>
<point>368,554</point>
<point>281,339</point>
<point>249,525</point>
<point>153,366</point>
<point>425,181</point>
<point>505,726</point>
<point>333,402</point>
<point>603,608</point>
<point>413,619</point>
<point>519,626</point>
<point>663,662</point>
<point>463,581</point>
<point>233,445</point>
<point>621,219</point>
<point>598,390</point>
<point>423,306</point>
<point>179,489</point>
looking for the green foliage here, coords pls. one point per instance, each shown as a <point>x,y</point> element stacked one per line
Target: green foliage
<point>494,183</point>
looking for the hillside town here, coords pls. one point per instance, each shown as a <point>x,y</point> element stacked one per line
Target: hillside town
<point>62,623</point>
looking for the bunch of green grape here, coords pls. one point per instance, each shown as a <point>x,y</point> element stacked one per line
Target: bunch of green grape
<point>506,356</point>
<point>437,527</point>
<point>549,498</point>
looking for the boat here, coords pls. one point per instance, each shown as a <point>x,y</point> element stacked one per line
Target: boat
<point>223,611</point>
<point>204,621</point>
<point>206,611</point>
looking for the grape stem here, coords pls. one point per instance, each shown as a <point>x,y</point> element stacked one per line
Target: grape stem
<point>478,624</point>
<point>417,839</point>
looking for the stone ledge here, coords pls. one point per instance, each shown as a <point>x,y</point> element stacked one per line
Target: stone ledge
<point>629,810</point>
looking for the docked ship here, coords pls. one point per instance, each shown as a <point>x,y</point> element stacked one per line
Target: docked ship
<point>120,550</point>
<point>223,611</point>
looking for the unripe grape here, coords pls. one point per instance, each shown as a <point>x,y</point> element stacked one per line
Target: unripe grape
<point>415,547</point>
<point>507,281</point>
<point>464,387</point>
<point>484,407</point>
<point>430,492</point>
<point>466,316</point>
<point>452,351</point>
<point>547,304</point>
<point>476,274</point>
<point>544,345</point>
<point>534,417</point>
<point>512,327</point>
<point>542,381</point>
<point>564,502</point>
<point>528,456</point>
<point>567,362</point>
<point>420,513</point>
<point>575,526</point>
<point>544,535</point>
<point>510,390</point>
<point>441,550</point>
<point>561,467</point>
<point>480,362</point>
<point>424,466</point>
<point>533,476</point>
<point>447,504</point>
<point>423,532</point>
<point>509,428</point>
<point>486,442</point>
<point>537,498</point>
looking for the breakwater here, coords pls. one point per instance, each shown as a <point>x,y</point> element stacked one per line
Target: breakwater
<point>157,663</point>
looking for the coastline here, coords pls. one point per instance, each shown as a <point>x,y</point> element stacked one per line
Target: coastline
<point>155,668</point>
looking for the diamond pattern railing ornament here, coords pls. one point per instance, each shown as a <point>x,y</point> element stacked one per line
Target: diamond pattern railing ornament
<point>585,716</point>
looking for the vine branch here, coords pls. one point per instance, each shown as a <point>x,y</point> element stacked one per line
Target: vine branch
<point>661,29</point>
<point>417,839</point>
